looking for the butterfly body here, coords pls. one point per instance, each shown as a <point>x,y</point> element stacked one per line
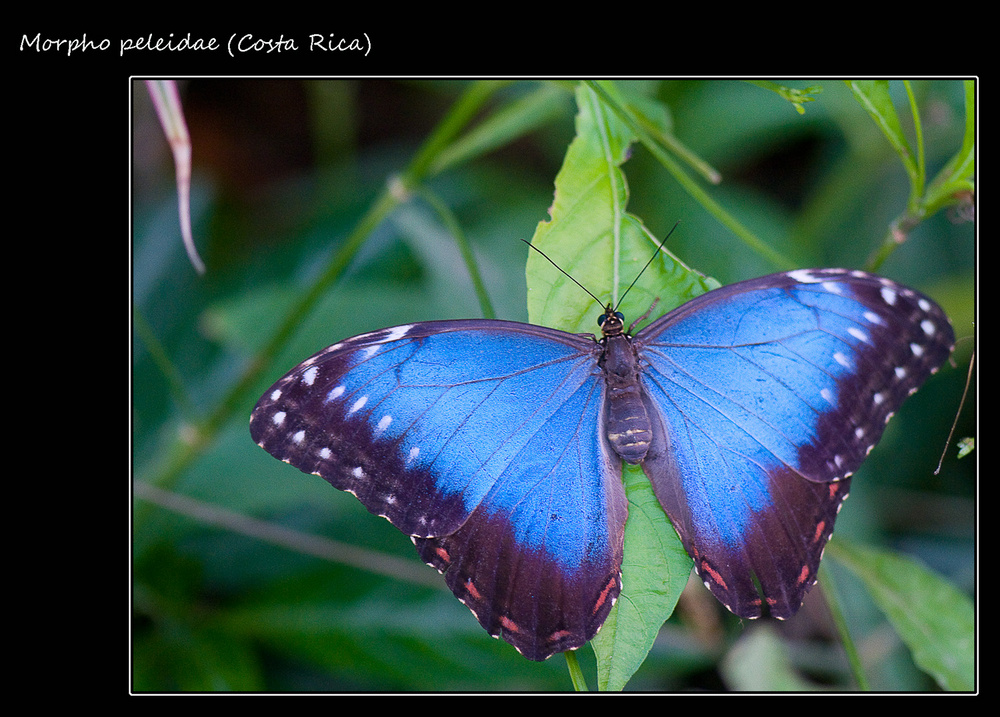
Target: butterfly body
<point>498,446</point>
<point>628,428</point>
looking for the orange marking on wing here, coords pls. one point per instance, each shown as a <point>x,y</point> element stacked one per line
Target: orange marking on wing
<point>471,589</point>
<point>820,527</point>
<point>604,594</point>
<point>509,624</point>
<point>714,575</point>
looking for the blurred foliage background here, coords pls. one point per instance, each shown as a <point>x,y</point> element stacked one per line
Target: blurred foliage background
<point>228,592</point>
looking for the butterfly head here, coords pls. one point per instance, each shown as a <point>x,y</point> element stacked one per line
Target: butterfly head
<point>612,322</point>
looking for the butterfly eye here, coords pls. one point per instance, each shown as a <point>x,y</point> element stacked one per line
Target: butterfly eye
<point>604,317</point>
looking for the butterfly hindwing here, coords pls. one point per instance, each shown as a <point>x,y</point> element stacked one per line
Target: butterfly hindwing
<point>481,439</point>
<point>766,395</point>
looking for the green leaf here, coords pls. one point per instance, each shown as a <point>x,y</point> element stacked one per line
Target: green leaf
<point>957,177</point>
<point>954,184</point>
<point>654,572</point>
<point>592,237</point>
<point>759,662</point>
<point>670,152</point>
<point>512,120</point>
<point>874,96</point>
<point>796,96</point>
<point>935,619</point>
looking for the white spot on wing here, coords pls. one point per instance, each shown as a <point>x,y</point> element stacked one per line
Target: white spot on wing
<point>804,276</point>
<point>385,336</point>
<point>358,405</point>
<point>278,418</point>
<point>310,376</point>
<point>396,333</point>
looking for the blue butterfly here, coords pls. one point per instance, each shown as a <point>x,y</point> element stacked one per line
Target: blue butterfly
<point>498,445</point>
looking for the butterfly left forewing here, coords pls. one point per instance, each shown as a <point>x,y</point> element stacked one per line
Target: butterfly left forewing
<point>479,439</point>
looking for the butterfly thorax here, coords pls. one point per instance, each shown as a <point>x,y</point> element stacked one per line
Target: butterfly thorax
<point>628,426</point>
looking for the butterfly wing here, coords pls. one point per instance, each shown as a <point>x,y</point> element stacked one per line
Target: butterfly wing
<point>481,440</point>
<point>765,396</point>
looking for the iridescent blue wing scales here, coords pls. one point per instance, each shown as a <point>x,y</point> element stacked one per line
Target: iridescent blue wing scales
<point>764,397</point>
<point>481,440</point>
<point>497,446</point>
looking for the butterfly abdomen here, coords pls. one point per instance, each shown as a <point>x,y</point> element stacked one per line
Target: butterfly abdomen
<point>628,427</point>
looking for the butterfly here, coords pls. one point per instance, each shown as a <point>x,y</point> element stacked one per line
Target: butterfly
<point>498,446</point>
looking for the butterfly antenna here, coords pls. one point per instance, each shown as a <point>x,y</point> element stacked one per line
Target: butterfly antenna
<point>968,380</point>
<point>655,253</point>
<point>601,303</point>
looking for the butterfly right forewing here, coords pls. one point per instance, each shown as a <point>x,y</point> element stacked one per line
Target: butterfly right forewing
<point>766,396</point>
